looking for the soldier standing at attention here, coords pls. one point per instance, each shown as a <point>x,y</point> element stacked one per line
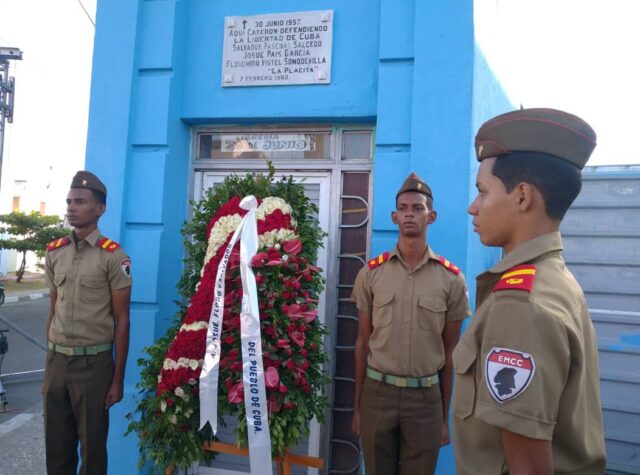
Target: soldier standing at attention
<point>527,394</point>
<point>411,303</point>
<point>90,280</point>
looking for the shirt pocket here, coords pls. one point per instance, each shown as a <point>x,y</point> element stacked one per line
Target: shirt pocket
<point>58,281</point>
<point>382,309</point>
<point>93,290</point>
<point>464,359</point>
<point>431,314</point>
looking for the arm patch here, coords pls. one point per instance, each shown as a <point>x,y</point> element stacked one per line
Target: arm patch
<point>107,244</point>
<point>450,266</point>
<point>58,243</point>
<point>517,278</point>
<point>376,261</point>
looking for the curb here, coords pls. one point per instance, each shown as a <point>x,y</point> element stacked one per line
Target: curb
<point>20,298</point>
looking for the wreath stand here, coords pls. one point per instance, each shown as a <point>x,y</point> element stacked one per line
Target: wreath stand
<point>283,462</point>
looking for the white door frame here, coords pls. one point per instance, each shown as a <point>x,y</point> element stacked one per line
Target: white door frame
<point>205,179</point>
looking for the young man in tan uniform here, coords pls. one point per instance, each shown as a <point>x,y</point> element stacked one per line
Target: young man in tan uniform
<point>90,280</point>
<point>527,393</point>
<point>411,303</point>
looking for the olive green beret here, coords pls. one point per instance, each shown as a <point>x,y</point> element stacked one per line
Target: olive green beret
<point>88,180</point>
<point>415,183</point>
<point>548,131</point>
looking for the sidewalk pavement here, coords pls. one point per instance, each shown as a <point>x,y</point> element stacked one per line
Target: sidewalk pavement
<point>22,441</point>
<point>33,294</point>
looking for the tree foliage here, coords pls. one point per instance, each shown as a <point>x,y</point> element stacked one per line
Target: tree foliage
<point>29,232</point>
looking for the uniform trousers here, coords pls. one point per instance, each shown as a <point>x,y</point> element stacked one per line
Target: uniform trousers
<point>74,391</point>
<point>400,428</point>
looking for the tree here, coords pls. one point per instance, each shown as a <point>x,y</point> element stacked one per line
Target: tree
<point>29,232</point>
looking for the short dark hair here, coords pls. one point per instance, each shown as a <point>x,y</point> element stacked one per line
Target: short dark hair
<point>559,181</point>
<point>99,196</point>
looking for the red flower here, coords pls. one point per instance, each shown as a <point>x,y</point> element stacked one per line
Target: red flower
<point>282,343</point>
<point>297,337</point>
<point>283,389</point>
<point>236,393</point>
<point>310,315</point>
<point>274,403</point>
<point>271,377</point>
<point>292,247</point>
<point>259,260</point>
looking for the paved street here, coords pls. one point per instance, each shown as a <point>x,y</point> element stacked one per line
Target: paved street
<point>21,427</point>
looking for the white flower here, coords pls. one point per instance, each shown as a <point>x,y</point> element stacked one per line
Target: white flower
<point>163,406</point>
<point>272,238</point>
<point>179,391</point>
<point>270,204</point>
<point>193,364</point>
<point>219,234</point>
<point>195,326</point>
<point>173,419</point>
<point>188,412</point>
<point>178,409</point>
<point>192,381</point>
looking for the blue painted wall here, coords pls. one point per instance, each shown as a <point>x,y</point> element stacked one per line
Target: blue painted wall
<point>409,66</point>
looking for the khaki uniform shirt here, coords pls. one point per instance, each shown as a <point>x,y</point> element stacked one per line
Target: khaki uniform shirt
<point>528,363</point>
<point>409,310</point>
<point>83,274</point>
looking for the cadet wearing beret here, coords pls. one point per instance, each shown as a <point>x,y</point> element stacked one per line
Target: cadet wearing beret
<point>411,303</point>
<point>90,280</point>
<point>527,393</point>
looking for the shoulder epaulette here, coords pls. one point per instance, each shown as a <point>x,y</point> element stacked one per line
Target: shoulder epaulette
<point>376,261</point>
<point>520,278</point>
<point>107,244</point>
<point>58,243</point>
<point>449,265</point>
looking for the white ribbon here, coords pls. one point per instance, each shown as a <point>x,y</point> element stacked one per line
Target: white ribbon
<point>255,399</point>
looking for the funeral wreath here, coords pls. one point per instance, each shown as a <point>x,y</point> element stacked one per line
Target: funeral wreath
<point>166,416</point>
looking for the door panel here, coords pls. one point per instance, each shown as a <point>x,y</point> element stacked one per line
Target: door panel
<point>317,188</point>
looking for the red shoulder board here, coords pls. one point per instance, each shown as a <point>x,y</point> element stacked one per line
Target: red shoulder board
<point>449,265</point>
<point>520,278</point>
<point>376,261</point>
<point>107,244</point>
<point>58,243</point>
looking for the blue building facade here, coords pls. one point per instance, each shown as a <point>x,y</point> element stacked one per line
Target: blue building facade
<point>408,89</point>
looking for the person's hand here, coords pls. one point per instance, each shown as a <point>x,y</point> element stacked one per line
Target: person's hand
<point>445,439</point>
<point>355,422</point>
<point>114,394</point>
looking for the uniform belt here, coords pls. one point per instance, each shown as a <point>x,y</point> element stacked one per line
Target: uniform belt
<point>79,350</point>
<point>401,382</point>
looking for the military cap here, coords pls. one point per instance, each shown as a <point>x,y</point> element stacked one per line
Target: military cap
<point>88,180</point>
<point>548,131</point>
<point>415,183</point>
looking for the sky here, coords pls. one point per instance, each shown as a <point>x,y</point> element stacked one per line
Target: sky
<point>581,56</point>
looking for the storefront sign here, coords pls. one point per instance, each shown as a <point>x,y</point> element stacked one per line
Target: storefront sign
<point>268,143</point>
<point>277,49</point>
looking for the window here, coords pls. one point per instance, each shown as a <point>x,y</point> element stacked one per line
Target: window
<point>265,145</point>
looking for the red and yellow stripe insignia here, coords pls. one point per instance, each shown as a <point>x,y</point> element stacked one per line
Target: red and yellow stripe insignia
<point>376,261</point>
<point>449,265</point>
<point>519,278</point>
<point>107,244</point>
<point>58,243</point>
